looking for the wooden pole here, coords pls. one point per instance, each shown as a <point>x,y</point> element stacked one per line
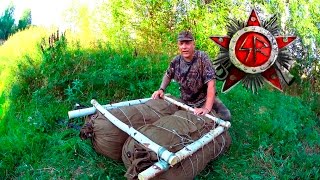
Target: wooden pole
<point>221,122</point>
<point>161,166</point>
<point>91,110</point>
<point>188,150</point>
<point>142,139</point>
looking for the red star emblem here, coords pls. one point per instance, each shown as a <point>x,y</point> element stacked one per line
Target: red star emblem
<point>252,50</point>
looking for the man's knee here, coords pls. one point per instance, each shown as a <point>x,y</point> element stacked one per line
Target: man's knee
<point>225,115</point>
<point>221,110</point>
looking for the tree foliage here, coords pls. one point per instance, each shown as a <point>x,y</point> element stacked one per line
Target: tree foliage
<point>25,20</point>
<point>151,27</point>
<point>7,22</point>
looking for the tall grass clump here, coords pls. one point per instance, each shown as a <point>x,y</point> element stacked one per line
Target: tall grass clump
<point>38,141</point>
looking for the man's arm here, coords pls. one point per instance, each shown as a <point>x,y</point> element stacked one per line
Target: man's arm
<point>160,93</point>
<point>210,95</point>
<point>206,108</point>
<point>165,82</point>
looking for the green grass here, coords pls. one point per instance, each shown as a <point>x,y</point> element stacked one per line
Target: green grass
<point>1,103</point>
<point>275,136</point>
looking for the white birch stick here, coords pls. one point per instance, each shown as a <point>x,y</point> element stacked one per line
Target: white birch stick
<point>221,122</point>
<point>154,170</point>
<point>142,139</point>
<point>92,110</point>
<point>188,150</point>
<point>195,146</point>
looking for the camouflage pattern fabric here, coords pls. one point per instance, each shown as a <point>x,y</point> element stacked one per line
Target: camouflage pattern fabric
<point>192,77</point>
<point>220,110</point>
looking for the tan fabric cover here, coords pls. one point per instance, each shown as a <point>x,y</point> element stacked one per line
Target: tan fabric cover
<point>107,139</point>
<point>174,132</point>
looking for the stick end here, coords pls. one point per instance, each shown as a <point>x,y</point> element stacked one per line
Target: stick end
<point>228,124</point>
<point>141,177</point>
<point>93,101</point>
<point>174,161</point>
<point>69,115</point>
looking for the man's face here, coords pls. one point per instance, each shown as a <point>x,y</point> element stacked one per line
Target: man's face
<point>186,49</point>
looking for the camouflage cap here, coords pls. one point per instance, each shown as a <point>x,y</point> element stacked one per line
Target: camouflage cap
<point>185,36</point>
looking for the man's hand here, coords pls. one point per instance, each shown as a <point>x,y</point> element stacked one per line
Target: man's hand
<point>158,94</point>
<point>201,111</point>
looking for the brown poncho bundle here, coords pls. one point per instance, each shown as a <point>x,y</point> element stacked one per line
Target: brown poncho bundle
<point>174,132</point>
<point>107,139</point>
